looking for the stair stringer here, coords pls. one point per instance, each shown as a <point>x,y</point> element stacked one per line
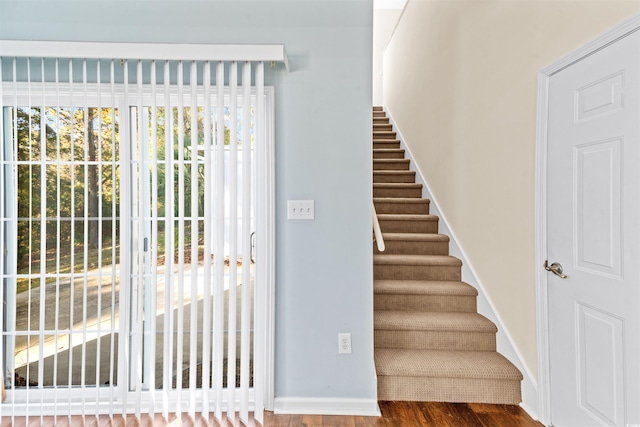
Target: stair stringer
<point>504,342</point>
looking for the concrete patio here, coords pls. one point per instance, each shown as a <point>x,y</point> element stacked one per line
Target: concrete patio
<point>91,362</point>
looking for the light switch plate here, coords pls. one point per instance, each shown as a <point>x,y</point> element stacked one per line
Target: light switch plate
<point>300,209</point>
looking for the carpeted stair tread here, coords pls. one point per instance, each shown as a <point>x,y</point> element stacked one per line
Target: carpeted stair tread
<point>393,190</point>
<point>385,141</point>
<point>419,222</point>
<point>383,161</point>
<point>400,199</point>
<point>404,217</point>
<point>415,237</point>
<point>388,153</point>
<point>393,173</point>
<point>386,144</point>
<point>431,260</point>
<point>398,176</point>
<point>390,164</point>
<point>388,150</point>
<point>395,185</point>
<point>384,134</point>
<point>432,321</point>
<point>444,363</point>
<point>423,287</point>
<point>401,205</point>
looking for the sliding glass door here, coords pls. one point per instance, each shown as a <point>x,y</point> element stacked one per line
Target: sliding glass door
<point>181,252</point>
<point>128,219</point>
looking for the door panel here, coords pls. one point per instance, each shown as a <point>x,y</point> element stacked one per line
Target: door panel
<point>176,282</point>
<point>600,97</point>
<point>593,231</point>
<point>597,202</point>
<point>600,364</point>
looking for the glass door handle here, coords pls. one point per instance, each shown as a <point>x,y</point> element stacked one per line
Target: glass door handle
<point>252,244</point>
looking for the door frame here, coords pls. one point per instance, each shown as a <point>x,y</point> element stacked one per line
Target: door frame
<point>542,311</point>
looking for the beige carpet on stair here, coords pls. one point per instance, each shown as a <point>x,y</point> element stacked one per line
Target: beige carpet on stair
<point>453,364</point>
<point>444,376</point>
<point>448,321</point>
<point>430,342</point>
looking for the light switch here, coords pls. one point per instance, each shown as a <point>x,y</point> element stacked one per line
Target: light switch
<point>300,209</point>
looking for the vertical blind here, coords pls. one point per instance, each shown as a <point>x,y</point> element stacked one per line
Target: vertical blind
<point>130,192</point>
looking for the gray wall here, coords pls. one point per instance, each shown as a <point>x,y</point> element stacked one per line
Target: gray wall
<point>323,152</point>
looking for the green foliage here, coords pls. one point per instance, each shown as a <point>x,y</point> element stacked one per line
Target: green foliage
<point>66,164</point>
<point>68,168</point>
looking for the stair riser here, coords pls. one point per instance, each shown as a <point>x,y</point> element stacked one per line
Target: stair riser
<point>395,165</point>
<point>395,226</point>
<point>384,135</point>
<point>439,303</point>
<point>386,144</point>
<point>461,390</point>
<point>388,155</point>
<point>413,248</point>
<point>378,127</point>
<point>402,208</point>
<point>380,120</point>
<point>397,192</point>
<point>394,178</point>
<point>379,114</point>
<point>416,272</point>
<point>436,340</point>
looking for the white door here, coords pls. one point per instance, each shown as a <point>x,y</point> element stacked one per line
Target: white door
<point>593,232</point>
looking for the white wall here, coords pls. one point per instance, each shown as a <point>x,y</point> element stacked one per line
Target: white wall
<point>323,152</point>
<point>384,22</point>
<point>460,81</point>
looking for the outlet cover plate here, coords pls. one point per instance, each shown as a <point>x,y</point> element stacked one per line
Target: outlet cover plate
<point>344,343</point>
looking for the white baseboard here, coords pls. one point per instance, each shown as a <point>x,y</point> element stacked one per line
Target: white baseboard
<point>533,412</point>
<point>504,342</point>
<point>326,406</point>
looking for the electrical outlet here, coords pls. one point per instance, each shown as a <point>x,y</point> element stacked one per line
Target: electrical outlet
<point>344,343</point>
<point>300,209</point>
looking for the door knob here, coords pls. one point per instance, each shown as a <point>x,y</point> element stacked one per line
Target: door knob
<point>555,268</point>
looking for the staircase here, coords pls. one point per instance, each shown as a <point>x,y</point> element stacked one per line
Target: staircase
<point>430,342</point>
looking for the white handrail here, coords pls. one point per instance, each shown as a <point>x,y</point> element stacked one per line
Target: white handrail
<point>377,233</point>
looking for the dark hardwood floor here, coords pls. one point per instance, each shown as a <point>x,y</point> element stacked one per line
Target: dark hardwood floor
<point>416,414</point>
<point>394,414</point>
